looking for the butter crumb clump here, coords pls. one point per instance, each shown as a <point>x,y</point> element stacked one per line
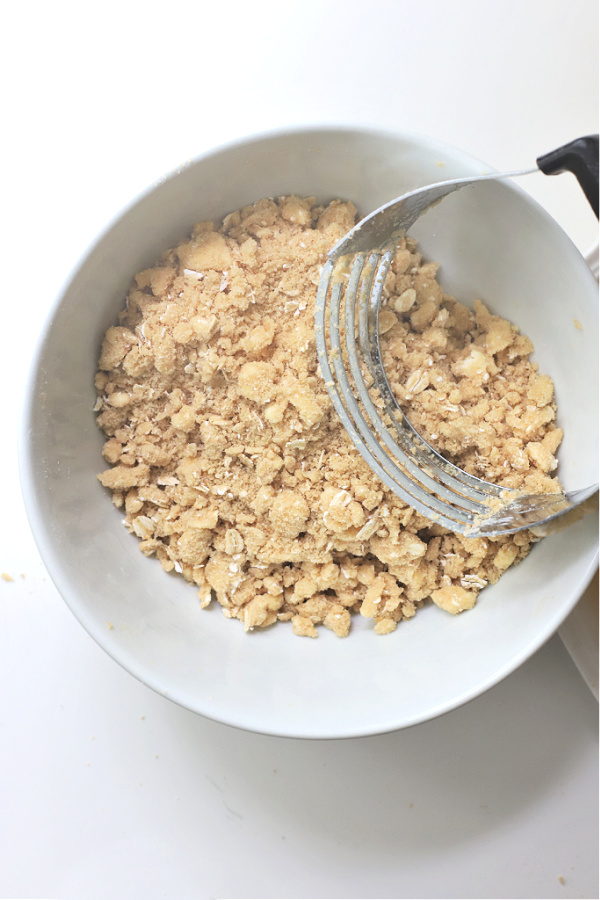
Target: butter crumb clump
<point>227,458</point>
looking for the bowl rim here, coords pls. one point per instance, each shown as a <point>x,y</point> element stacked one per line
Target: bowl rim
<point>27,464</point>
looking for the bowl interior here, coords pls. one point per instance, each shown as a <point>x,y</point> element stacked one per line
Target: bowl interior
<point>494,243</point>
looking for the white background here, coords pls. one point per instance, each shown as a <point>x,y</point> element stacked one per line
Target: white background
<point>108,790</point>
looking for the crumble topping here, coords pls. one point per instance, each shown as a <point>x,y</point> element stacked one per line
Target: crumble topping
<point>228,459</point>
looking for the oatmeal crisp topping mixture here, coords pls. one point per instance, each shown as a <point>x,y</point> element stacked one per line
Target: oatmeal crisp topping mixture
<point>230,462</point>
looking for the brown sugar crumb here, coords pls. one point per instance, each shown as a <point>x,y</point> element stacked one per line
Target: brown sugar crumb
<point>228,460</point>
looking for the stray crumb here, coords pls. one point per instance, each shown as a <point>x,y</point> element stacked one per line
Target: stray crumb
<point>578,324</point>
<point>110,626</point>
<point>230,465</point>
<point>6,577</point>
<point>142,717</point>
<point>561,879</point>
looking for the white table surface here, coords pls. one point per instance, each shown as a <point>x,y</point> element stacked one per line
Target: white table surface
<point>110,791</point>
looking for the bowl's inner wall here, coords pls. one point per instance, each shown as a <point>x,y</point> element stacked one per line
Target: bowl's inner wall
<point>492,243</point>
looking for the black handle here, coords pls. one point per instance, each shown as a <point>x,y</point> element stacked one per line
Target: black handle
<point>579,157</point>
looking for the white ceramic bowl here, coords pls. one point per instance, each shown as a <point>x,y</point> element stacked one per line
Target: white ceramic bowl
<point>493,242</point>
